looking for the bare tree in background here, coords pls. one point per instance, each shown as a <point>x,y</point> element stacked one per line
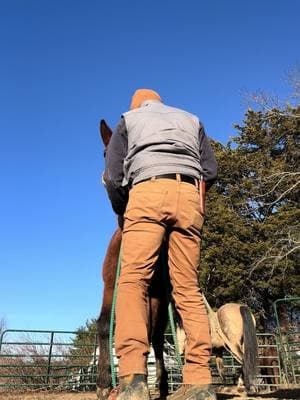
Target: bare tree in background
<point>281,186</point>
<point>2,325</point>
<point>293,77</point>
<point>271,103</point>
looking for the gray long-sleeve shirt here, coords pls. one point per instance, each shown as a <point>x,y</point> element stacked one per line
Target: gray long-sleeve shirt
<point>117,152</point>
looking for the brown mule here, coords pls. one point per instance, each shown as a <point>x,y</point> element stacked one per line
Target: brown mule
<point>158,309</point>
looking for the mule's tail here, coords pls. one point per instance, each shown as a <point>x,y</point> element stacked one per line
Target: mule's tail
<point>250,347</point>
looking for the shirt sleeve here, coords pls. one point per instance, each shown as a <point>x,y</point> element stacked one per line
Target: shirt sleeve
<point>114,173</point>
<point>207,159</point>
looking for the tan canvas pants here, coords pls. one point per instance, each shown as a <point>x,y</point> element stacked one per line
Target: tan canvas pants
<point>153,207</point>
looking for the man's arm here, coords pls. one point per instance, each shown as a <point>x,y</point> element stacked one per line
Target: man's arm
<point>115,154</point>
<point>208,161</point>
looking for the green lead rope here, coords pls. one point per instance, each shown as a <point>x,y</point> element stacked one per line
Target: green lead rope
<point>173,330</point>
<point>111,325</point>
<point>170,311</point>
<point>112,320</point>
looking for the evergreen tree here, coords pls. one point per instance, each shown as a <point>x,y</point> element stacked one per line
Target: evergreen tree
<point>84,343</point>
<point>250,249</point>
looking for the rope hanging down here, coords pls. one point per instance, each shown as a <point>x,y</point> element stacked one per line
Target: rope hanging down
<point>111,324</point>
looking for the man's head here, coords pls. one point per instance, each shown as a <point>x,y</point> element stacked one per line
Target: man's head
<point>142,95</point>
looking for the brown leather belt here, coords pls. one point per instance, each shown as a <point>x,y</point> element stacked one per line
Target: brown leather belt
<point>181,178</point>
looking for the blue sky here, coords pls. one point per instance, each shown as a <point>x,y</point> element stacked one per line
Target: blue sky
<point>66,64</point>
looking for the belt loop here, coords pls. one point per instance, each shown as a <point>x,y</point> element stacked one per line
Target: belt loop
<point>178,178</point>
<point>197,184</point>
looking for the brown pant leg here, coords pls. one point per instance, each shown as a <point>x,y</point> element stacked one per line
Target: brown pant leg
<point>142,237</point>
<point>184,258</point>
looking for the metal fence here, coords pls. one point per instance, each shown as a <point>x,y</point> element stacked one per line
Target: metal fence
<point>47,359</point>
<point>290,350</point>
<point>54,359</point>
<point>269,372</point>
<point>287,315</point>
<point>57,359</point>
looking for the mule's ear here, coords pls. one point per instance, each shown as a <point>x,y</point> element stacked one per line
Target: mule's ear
<point>105,132</point>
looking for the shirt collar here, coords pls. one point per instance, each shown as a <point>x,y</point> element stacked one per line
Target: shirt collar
<point>148,102</point>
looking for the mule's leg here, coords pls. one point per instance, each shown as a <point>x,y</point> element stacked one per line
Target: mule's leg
<point>241,385</point>
<point>109,276</point>
<point>275,373</point>
<point>159,319</point>
<point>181,339</point>
<point>103,371</point>
<point>220,363</point>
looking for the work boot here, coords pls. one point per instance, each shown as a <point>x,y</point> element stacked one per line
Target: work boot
<point>193,392</point>
<point>133,387</point>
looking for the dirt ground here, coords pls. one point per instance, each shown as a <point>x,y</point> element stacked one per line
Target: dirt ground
<point>289,394</point>
<point>48,396</point>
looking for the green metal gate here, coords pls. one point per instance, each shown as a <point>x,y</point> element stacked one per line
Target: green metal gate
<point>287,314</point>
<point>46,359</point>
<point>54,359</point>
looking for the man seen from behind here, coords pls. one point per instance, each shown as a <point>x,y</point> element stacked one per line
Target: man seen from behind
<point>161,154</point>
